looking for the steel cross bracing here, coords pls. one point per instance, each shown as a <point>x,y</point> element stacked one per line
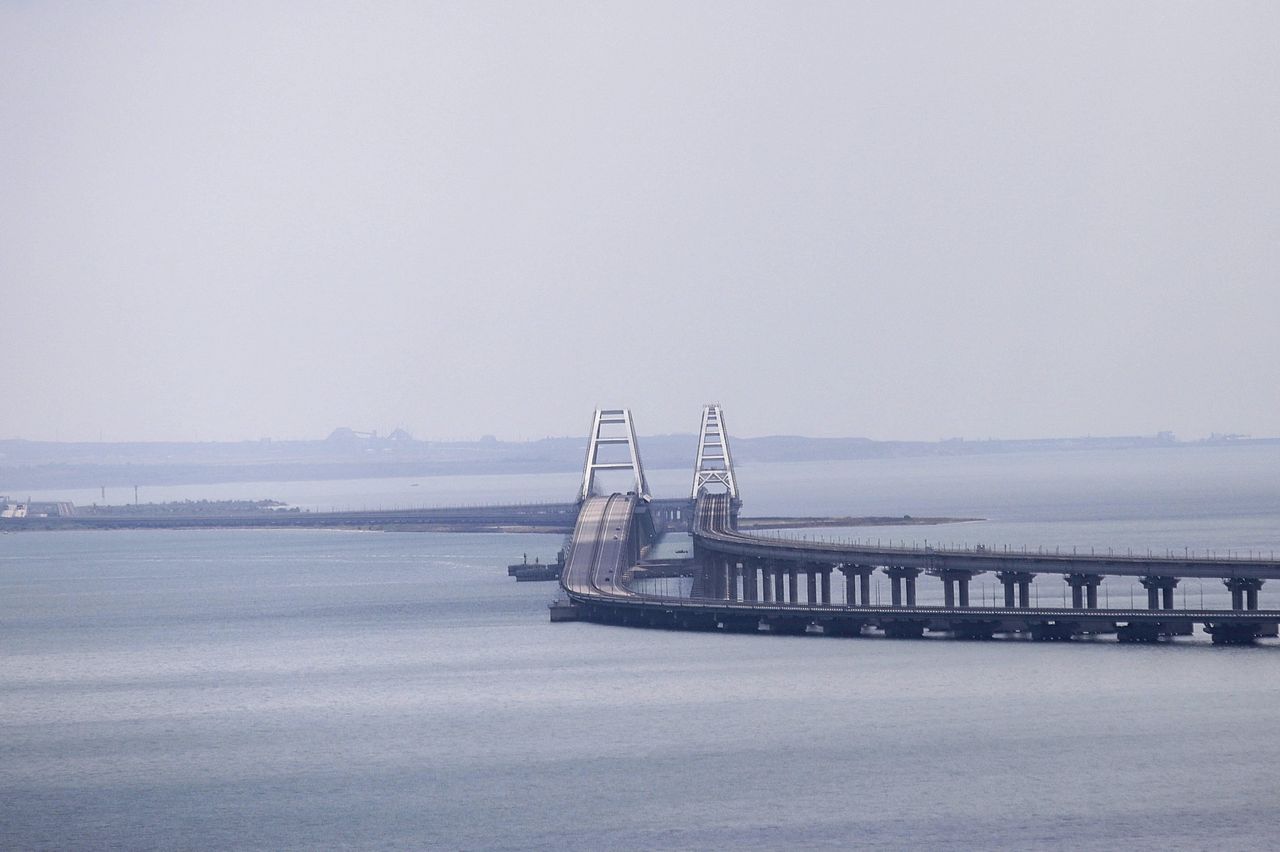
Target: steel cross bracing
<point>612,426</point>
<point>715,464</point>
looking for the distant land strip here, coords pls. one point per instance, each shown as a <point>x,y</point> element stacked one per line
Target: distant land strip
<point>266,514</point>
<point>46,465</point>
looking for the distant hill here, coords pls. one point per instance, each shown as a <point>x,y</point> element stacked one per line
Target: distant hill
<point>347,454</point>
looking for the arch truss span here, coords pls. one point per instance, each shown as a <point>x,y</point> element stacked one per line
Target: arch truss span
<point>714,465</point>
<point>612,428</point>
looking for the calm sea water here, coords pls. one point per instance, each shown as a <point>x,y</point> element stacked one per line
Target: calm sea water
<point>304,689</point>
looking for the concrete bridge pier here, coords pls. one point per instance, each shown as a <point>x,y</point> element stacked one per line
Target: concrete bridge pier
<point>824,574</point>
<point>899,576</point>
<point>1227,632</point>
<point>1019,581</point>
<point>767,570</point>
<point>1084,590</point>
<point>857,579</point>
<point>713,584</point>
<point>779,584</point>
<point>954,580</point>
<point>1159,591</point>
<point>793,584</point>
<point>811,584</point>
<point>750,579</point>
<point>1244,591</point>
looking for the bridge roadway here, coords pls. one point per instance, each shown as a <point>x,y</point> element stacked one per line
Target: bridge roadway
<point>714,530</point>
<point>602,550</point>
<point>604,547</point>
<point>543,517</point>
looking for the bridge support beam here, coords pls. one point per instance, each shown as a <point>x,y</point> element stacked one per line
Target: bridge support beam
<point>1244,591</point>
<point>1159,591</point>
<point>766,571</point>
<point>900,576</point>
<point>793,585</point>
<point>857,584</point>
<point>825,575</point>
<point>1019,582</point>
<point>955,580</point>
<point>1084,590</point>
<point>708,585</point>
<point>811,584</point>
<point>779,584</point>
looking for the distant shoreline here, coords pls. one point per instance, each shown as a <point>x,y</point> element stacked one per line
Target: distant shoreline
<point>47,466</point>
<point>534,518</point>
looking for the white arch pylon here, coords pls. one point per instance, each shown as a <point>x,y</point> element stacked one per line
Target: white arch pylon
<point>612,426</point>
<point>715,464</point>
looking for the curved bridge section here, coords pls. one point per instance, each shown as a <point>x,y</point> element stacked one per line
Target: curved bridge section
<point>750,583</point>
<point>603,548</point>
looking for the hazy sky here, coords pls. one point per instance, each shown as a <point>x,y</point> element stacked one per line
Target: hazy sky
<point>890,219</point>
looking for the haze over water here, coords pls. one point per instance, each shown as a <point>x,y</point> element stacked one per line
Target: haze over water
<point>303,689</point>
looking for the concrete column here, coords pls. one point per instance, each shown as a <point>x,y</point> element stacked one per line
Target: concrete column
<point>955,586</point>
<point>826,585</point>
<point>727,574</point>
<point>750,579</point>
<point>779,584</point>
<point>1084,590</point>
<point>735,579</point>
<point>1159,591</point>
<point>766,571</point>
<point>1008,592</point>
<point>1244,592</point>
<point>793,585</point>
<point>850,586</point>
<point>811,582</point>
<point>1021,580</point>
<point>897,575</point>
<point>1153,597</point>
<point>857,583</point>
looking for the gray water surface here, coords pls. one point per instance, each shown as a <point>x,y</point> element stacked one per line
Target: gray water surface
<point>304,689</point>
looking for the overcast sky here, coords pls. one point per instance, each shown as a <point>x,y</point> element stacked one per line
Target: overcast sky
<point>897,220</point>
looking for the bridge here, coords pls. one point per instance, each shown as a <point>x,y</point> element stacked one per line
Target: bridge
<point>749,583</point>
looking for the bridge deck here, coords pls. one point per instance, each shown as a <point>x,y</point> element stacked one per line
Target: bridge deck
<point>596,579</point>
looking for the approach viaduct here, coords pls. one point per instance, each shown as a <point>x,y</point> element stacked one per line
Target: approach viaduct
<point>751,583</point>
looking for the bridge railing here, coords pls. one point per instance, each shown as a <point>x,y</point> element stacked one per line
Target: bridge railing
<point>1188,554</point>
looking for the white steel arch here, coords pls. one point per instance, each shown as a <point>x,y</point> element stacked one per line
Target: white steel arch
<point>715,464</point>
<point>612,426</point>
